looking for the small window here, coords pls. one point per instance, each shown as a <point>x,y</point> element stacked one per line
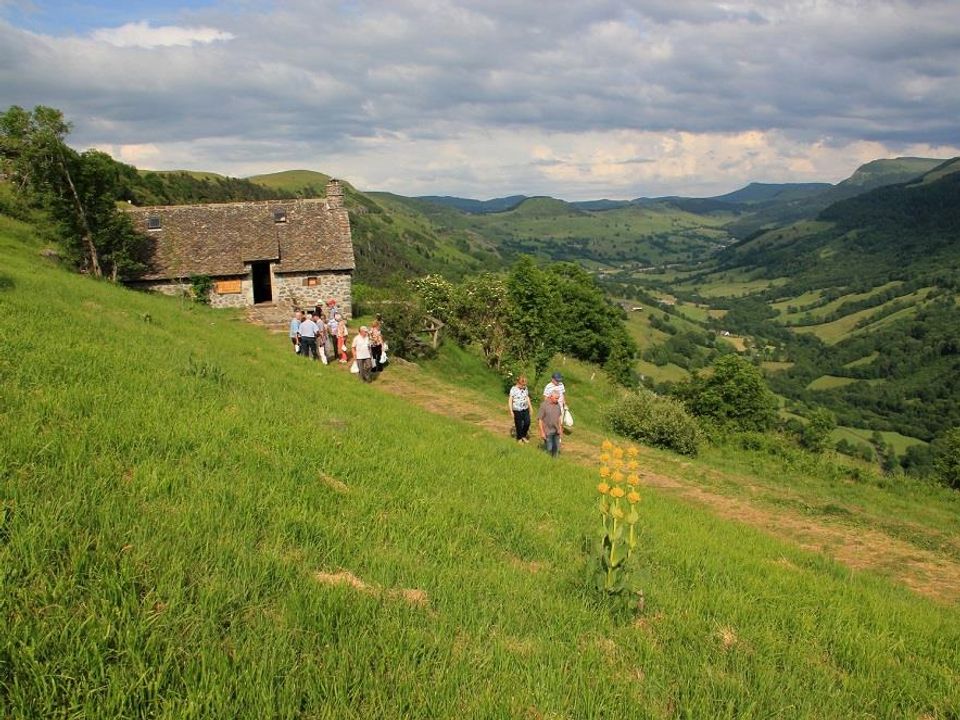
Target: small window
<point>153,223</point>
<point>279,216</point>
<point>311,282</point>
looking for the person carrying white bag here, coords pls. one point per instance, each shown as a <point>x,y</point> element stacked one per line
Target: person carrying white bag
<point>556,386</point>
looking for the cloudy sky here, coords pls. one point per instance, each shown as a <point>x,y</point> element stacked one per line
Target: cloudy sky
<point>483,98</point>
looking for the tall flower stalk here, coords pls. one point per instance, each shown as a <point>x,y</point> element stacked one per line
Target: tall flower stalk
<point>618,515</point>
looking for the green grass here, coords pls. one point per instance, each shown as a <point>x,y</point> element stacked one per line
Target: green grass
<point>175,481</point>
<point>821,311</point>
<point>615,239</point>
<point>734,284</point>
<point>772,366</point>
<point>292,180</point>
<point>859,435</point>
<point>829,382</point>
<point>835,331</point>
<point>866,360</point>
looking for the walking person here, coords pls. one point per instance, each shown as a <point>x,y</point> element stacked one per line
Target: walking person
<point>295,330</point>
<point>321,336</point>
<point>556,386</point>
<point>308,338</point>
<point>376,346</point>
<point>331,337</point>
<point>342,333</point>
<point>361,354</point>
<point>518,405</point>
<point>550,423</point>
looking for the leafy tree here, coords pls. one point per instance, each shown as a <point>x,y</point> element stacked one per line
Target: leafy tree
<point>815,435</point>
<point>735,394</point>
<point>535,315</point>
<point>78,190</point>
<point>946,462</point>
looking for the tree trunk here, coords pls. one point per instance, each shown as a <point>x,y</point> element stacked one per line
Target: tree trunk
<point>81,213</point>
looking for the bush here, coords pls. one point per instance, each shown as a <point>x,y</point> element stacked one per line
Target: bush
<point>654,420</point>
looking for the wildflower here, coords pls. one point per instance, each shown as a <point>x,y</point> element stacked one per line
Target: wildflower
<point>603,488</point>
<point>632,451</point>
<point>618,452</point>
<point>604,458</point>
<point>633,497</point>
<point>634,480</point>
<point>604,472</point>
<point>607,445</point>
<point>617,492</point>
<point>617,477</point>
<point>633,465</point>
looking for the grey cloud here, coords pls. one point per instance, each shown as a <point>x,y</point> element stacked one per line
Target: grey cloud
<point>333,75</point>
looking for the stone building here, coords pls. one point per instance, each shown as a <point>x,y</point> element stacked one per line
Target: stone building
<point>282,252</point>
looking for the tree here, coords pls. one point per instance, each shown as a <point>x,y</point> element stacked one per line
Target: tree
<point>734,394</point>
<point>533,314</point>
<point>78,190</point>
<point>946,460</point>
<point>815,435</point>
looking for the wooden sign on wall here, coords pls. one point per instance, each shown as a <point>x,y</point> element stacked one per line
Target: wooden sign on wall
<point>228,287</point>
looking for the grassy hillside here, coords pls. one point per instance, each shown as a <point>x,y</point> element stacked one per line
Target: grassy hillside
<point>199,524</point>
<point>612,239</point>
<point>296,181</point>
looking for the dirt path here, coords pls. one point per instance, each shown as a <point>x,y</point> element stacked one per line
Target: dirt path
<point>923,571</point>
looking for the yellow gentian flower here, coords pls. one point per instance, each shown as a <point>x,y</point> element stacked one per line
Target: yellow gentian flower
<point>633,497</point>
<point>607,445</point>
<point>617,492</point>
<point>603,488</point>
<point>633,480</point>
<point>604,472</point>
<point>617,477</point>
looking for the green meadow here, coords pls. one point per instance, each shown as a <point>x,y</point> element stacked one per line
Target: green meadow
<point>199,524</point>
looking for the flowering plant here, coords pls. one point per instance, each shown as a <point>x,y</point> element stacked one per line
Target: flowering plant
<point>619,516</point>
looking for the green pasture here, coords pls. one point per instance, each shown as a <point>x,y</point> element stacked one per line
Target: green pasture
<point>199,524</point>
<point>808,298</point>
<point>772,366</point>
<point>727,285</point>
<point>859,435</point>
<point>292,180</point>
<point>866,360</point>
<point>835,331</point>
<point>830,382</point>
<point>822,311</point>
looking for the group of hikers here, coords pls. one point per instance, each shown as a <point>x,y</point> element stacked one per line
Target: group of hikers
<point>552,417</point>
<point>324,335</point>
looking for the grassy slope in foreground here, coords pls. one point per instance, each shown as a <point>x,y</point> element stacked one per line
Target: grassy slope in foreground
<point>178,480</point>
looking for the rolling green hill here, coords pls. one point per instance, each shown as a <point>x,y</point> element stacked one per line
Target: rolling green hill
<point>868,292</point>
<point>307,182</point>
<point>196,523</point>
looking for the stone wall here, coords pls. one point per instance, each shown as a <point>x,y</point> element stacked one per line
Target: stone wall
<point>290,290</point>
<point>293,289</point>
<point>176,288</point>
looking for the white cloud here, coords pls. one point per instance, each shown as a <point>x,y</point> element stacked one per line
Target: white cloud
<point>144,35</point>
<point>610,97</point>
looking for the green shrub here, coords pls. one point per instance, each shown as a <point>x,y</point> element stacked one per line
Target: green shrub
<point>659,421</point>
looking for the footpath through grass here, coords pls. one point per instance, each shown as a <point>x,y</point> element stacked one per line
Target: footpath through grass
<point>198,524</point>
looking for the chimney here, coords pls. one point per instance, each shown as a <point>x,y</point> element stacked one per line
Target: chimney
<point>334,194</point>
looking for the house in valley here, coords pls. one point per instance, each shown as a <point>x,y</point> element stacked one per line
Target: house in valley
<point>286,252</point>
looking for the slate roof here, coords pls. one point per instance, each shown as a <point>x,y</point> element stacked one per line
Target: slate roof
<point>219,239</point>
